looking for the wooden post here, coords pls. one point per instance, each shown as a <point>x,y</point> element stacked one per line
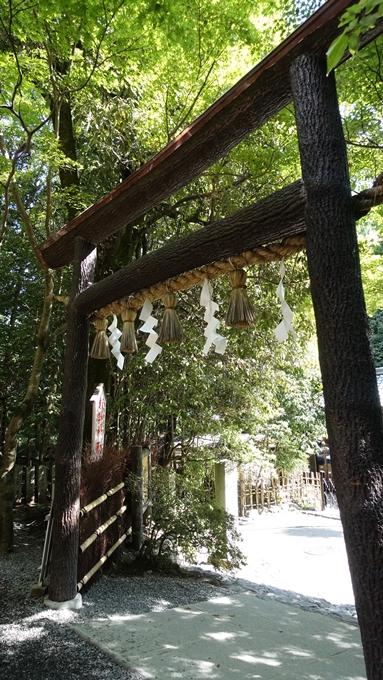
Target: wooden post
<point>18,483</point>
<point>30,484</point>
<point>42,476</point>
<point>353,412</point>
<point>242,499</point>
<point>66,504</point>
<point>137,499</point>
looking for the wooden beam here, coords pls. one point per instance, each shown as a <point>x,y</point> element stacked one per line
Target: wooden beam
<point>352,406</point>
<point>277,216</point>
<point>259,95</point>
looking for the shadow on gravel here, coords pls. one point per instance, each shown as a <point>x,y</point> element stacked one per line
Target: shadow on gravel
<point>311,532</point>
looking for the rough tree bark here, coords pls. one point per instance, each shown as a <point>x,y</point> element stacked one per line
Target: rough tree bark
<point>353,411</point>
<point>277,216</point>
<point>63,124</point>
<point>247,228</point>
<point>66,504</point>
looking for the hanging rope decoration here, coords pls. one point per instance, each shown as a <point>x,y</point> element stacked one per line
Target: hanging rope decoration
<point>260,255</point>
<point>240,313</point>
<point>114,341</point>
<point>100,347</point>
<point>170,330</point>
<point>212,337</point>
<point>282,330</point>
<point>148,327</point>
<point>128,339</point>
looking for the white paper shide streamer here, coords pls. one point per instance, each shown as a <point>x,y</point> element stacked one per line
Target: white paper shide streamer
<point>211,335</point>
<point>114,341</point>
<point>282,330</point>
<point>148,327</point>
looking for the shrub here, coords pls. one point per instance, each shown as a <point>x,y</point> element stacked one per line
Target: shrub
<point>185,521</point>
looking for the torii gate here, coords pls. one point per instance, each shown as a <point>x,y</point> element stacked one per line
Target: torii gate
<point>321,205</point>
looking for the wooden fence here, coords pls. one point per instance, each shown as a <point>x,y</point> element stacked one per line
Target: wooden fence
<point>33,483</point>
<point>105,524</point>
<point>305,489</point>
<point>123,530</point>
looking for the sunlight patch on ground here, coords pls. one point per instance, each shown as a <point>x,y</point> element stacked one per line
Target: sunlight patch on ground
<point>296,652</point>
<point>341,642</point>
<point>222,636</point>
<point>59,616</point>
<point>249,658</point>
<point>15,634</point>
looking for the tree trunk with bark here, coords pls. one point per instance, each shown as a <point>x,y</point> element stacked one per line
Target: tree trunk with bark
<point>69,179</point>
<point>66,504</point>
<point>63,123</point>
<point>352,406</point>
<point>7,460</point>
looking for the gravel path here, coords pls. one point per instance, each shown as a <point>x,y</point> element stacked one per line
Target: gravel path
<point>37,645</point>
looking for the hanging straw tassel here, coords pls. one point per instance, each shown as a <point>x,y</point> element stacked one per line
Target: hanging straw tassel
<point>240,313</point>
<point>128,338</point>
<point>171,330</point>
<point>100,348</point>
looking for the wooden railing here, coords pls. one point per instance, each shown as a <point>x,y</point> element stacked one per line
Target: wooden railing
<point>100,531</point>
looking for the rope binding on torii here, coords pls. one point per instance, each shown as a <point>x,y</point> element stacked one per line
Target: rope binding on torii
<point>274,252</point>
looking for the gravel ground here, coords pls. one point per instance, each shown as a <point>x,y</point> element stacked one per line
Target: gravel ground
<point>35,642</point>
<point>38,645</point>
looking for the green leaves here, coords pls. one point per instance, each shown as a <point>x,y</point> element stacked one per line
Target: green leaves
<point>336,51</point>
<point>357,20</point>
<point>184,520</point>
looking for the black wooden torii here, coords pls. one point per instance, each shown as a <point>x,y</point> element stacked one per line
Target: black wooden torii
<point>295,71</point>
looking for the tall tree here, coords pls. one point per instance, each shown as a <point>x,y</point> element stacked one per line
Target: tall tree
<point>63,64</point>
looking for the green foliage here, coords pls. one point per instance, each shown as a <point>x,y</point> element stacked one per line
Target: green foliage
<point>376,327</point>
<point>135,75</point>
<point>185,521</point>
<point>295,12</point>
<point>251,389</point>
<point>356,20</point>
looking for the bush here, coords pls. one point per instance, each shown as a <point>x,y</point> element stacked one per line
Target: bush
<point>185,521</point>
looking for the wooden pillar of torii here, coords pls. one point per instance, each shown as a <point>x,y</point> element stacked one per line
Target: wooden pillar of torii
<point>66,503</point>
<point>352,406</point>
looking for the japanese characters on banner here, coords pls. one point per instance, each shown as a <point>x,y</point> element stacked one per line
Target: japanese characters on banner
<point>282,330</point>
<point>98,422</point>
<point>211,335</point>
<point>148,327</point>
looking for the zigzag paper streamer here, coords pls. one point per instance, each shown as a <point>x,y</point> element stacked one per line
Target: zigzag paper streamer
<point>212,337</point>
<point>148,327</point>
<point>114,341</point>
<point>282,330</point>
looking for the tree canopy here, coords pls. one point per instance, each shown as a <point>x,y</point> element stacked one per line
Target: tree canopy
<point>91,91</point>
